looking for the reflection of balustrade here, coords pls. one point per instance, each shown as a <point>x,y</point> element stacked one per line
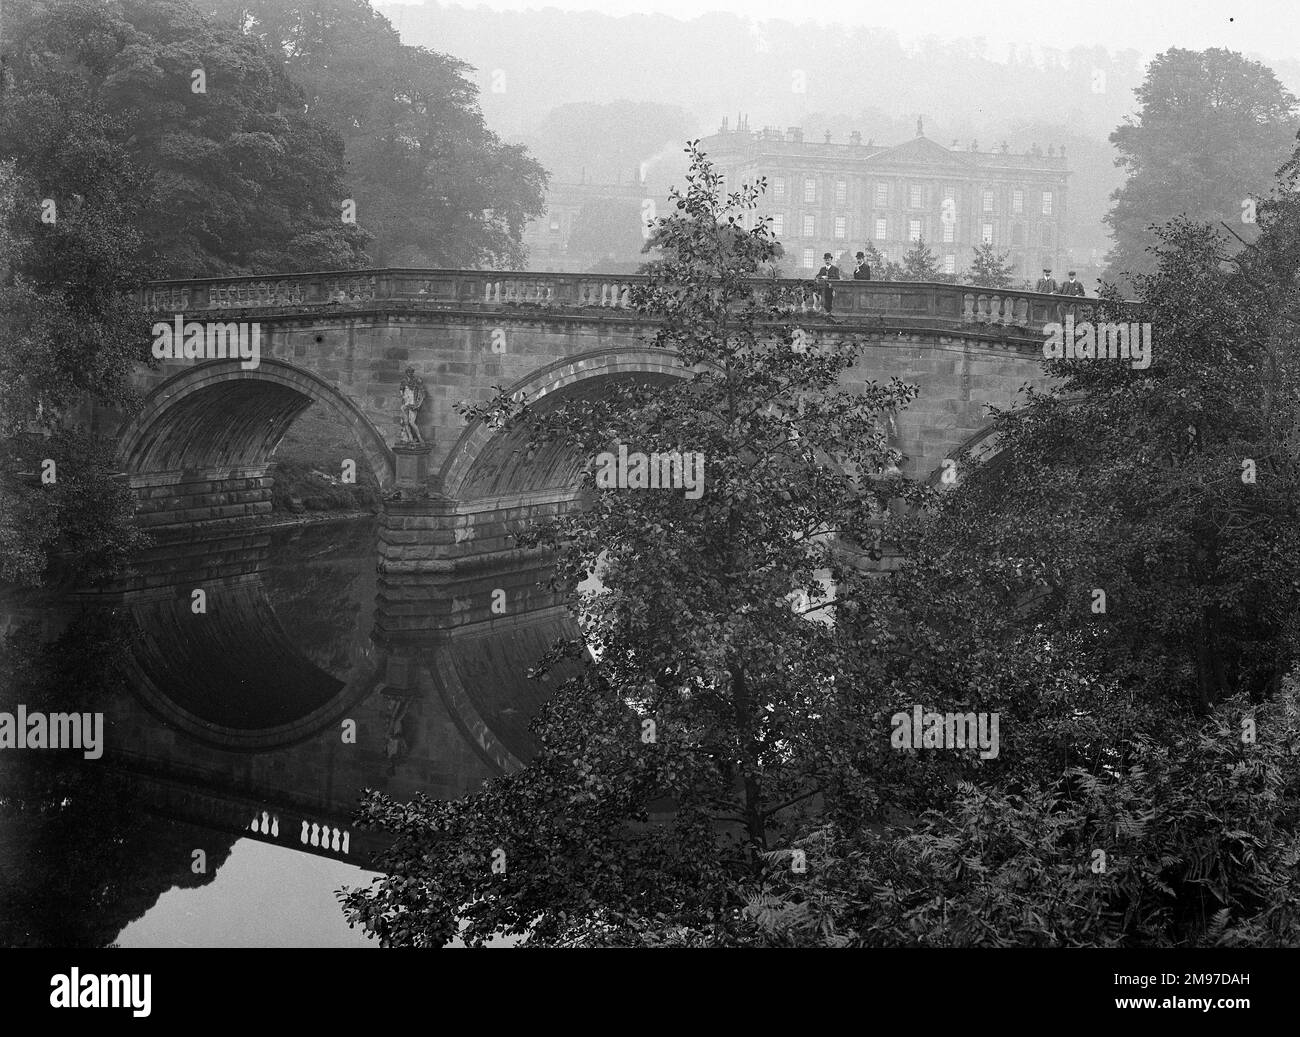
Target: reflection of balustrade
<point>325,837</point>
<point>266,824</point>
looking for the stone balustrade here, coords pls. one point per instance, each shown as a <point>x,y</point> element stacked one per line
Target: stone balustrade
<point>921,304</point>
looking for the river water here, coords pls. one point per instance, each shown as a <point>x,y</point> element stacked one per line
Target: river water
<point>251,685</point>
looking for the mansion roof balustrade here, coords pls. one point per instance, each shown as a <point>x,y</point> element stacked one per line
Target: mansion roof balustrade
<point>898,304</point>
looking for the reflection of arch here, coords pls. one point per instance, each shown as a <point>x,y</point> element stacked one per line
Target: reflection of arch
<point>483,682</point>
<point>232,678</point>
<point>242,673</point>
<point>486,462</point>
<point>217,414</point>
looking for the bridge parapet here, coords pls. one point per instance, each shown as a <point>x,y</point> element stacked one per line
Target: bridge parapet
<point>912,303</point>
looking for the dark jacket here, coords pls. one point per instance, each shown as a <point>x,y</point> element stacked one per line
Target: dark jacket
<point>862,272</point>
<point>1071,288</point>
<point>1046,284</point>
<point>830,273</point>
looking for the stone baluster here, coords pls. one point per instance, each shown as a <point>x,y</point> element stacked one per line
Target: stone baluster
<point>968,308</point>
<point>1007,314</point>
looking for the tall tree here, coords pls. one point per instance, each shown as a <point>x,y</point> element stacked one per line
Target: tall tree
<point>238,178</point>
<point>1212,131</point>
<point>920,264</point>
<point>431,182</point>
<point>989,268</point>
<point>714,708</point>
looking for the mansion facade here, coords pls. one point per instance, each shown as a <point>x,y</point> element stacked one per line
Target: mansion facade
<point>837,197</point>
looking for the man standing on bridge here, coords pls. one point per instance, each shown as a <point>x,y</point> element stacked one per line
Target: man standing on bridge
<point>1071,287</point>
<point>828,273</point>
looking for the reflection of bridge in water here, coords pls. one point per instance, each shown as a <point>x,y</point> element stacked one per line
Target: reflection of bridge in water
<point>301,684</point>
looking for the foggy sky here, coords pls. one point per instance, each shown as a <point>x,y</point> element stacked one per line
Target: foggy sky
<point>1267,28</point>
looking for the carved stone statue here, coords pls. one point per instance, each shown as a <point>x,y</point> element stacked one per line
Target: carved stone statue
<point>413,394</point>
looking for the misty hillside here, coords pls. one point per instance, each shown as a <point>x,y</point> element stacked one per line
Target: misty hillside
<point>593,94</point>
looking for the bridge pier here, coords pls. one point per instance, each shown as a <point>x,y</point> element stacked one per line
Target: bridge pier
<point>447,565</point>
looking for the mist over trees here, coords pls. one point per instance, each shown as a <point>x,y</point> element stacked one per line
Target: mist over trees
<point>1213,130</point>
<point>433,185</point>
<point>852,79</point>
<point>607,143</point>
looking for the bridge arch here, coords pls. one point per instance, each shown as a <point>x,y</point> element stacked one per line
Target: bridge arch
<point>985,447</point>
<point>488,462</point>
<point>218,414</point>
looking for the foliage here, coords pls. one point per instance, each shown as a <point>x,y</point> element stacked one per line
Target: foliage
<point>989,268</point>
<point>919,264</point>
<point>751,699</point>
<point>1212,130</point>
<point>233,178</point>
<point>432,183</point>
<point>69,335</point>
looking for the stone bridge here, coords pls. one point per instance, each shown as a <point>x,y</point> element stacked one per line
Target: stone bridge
<point>199,451</point>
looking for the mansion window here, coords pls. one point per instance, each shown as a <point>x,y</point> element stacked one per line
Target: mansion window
<point>915,196</point>
<point>778,187</point>
<point>988,201</point>
<point>778,223</point>
<point>809,228</point>
<point>949,232</point>
<point>841,192</point>
<point>913,230</point>
<point>1047,203</point>
<point>986,234</point>
<point>882,229</point>
<point>809,189</point>
<point>882,194</point>
<point>1017,201</point>
<point>840,226</point>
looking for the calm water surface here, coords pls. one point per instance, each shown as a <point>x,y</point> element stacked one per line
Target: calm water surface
<point>240,724</point>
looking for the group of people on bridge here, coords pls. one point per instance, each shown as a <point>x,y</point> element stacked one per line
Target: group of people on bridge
<point>829,272</point>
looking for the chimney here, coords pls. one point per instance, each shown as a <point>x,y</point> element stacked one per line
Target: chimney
<point>855,138</point>
<point>795,134</point>
<point>724,125</point>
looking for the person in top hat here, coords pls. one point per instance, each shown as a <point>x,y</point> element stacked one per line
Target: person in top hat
<point>1071,287</point>
<point>862,272</point>
<point>828,273</point>
<point>1046,283</point>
